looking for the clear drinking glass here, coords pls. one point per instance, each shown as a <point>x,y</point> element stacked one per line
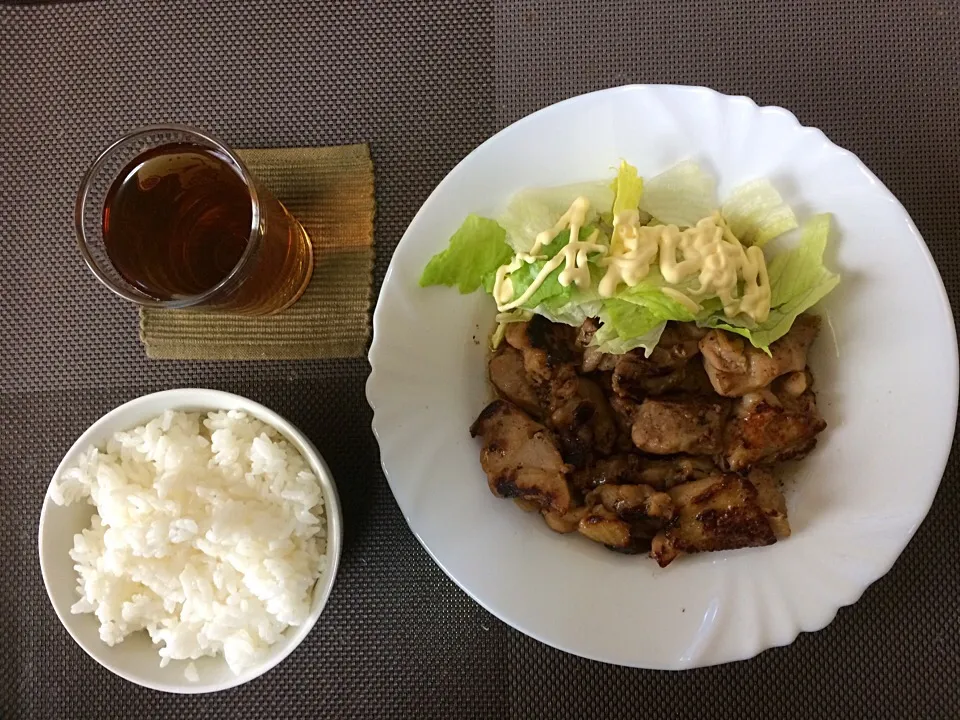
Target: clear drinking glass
<point>168,216</point>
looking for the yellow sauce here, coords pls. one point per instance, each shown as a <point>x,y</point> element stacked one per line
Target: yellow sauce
<point>707,251</point>
<point>574,255</point>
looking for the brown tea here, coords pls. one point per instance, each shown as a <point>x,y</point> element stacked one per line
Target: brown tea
<point>177,221</point>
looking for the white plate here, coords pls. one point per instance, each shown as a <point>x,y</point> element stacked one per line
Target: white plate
<point>886,367</point>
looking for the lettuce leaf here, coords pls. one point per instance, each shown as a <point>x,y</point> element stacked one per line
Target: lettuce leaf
<point>798,281</point>
<point>680,196</point>
<point>627,319</point>
<point>648,294</point>
<point>530,212</point>
<point>756,213</point>
<point>476,250</point>
<point>627,189</point>
<point>575,306</point>
<point>524,276</point>
<point>636,318</point>
<point>551,290</point>
<point>798,276</point>
<point>608,340</point>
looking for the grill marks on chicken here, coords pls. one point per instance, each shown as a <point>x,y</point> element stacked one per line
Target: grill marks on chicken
<point>509,377</point>
<point>576,406</point>
<point>666,453</point>
<point>521,458</point>
<point>548,357</point>
<point>723,512</point>
<point>773,426</point>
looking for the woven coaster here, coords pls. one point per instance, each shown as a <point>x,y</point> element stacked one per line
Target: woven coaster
<point>330,191</point>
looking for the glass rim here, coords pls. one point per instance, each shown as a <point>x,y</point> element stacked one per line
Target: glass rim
<point>144,299</point>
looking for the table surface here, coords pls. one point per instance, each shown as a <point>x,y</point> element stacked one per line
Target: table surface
<point>424,83</point>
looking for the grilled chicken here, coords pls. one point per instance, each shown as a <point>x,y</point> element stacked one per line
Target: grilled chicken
<point>736,368</point>
<point>521,457</point>
<point>577,407</point>
<point>682,424</point>
<point>772,425</point>
<point>603,424</point>
<point>678,343</point>
<point>620,469</point>
<point>695,380</point>
<point>625,517</point>
<point>664,473</point>
<point>549,358</point>
<point>510,379</point>
<point>593,359</point>
<point>633,502</point>
<point>596,361</point>
<point>632,469</point>
<point>722,512</point>
<point>567,522</point>
<point>585,425</point>
<point>664,453</point>
<point>603,526</point>
<point>635,376</point>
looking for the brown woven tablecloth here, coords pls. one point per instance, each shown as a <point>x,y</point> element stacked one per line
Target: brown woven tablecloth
<point>424,83</point>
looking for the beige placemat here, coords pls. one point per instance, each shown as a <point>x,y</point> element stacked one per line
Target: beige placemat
<point>330,191</point>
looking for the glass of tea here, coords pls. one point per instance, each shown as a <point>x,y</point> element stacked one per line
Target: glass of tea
<point>168,216</point>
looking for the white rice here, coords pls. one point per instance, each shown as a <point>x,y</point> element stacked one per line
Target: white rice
<point>209,535</point>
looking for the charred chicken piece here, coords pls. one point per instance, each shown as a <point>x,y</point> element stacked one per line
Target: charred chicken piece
<point>510,379</point>
<point>722,512</point>
<point>736,368</point>
<point>678,424</point>
<point>635,376</point>
<point>576,406</point>
<point>625,517</point>
<point>772,425</point>
<point>593,359</point>
<point>521,457</point>
<point>620,469</point>
<point>585,424</point>
<point>549,357</point>
<point>664,473</point>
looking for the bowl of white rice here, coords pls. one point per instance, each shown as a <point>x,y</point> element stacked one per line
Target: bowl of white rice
<point>189,540</point>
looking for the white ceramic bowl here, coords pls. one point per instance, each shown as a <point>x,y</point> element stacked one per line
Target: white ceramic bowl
<point>885,363</point>
<point>136,659</point>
